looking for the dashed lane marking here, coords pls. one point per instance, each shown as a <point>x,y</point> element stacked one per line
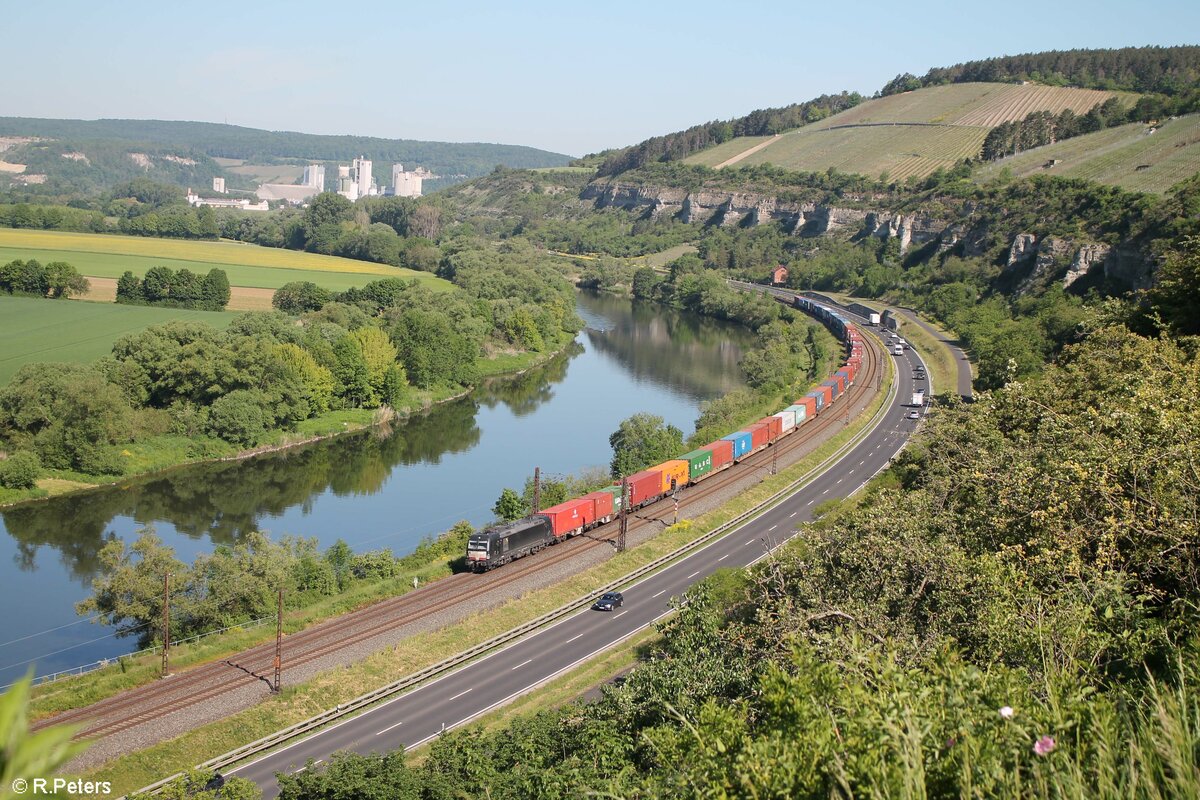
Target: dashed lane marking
<point>573,638</point>
<point>523,663</point>
<point>773,527</point>
<point>388,728</point>
<point>694,574</point>
<point>660,594</point>
<point>460,694</point>
<point>619,613</point>
<point>792,514</point>
<point>722,558</point>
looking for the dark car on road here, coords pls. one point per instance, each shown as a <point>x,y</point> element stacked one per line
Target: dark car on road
<point>608,601</point>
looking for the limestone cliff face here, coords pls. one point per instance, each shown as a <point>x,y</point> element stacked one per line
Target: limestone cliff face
<point>1040,258</point>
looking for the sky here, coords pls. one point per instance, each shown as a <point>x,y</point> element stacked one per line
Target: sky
<point>571,77</point>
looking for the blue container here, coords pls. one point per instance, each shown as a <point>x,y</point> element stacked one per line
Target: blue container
<point>819,397</point>
<point>741,443</point>
<point>833,385</point>
<point>845,373</point>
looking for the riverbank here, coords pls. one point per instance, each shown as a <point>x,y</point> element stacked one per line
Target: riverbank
<point>158,455</point>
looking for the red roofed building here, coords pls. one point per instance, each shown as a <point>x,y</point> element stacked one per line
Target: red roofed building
<point>779,275</point>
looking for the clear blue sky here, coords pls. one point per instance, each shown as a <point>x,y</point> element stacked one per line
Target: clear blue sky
<point>573,77</point>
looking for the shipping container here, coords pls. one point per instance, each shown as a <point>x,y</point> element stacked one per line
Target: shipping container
<point>741,442</point>
<point>787,418</point>
<point>614,492</point>
<point>700,463</point>
<point>722,453</point>
<point>810,406</point>
<point>826,392</point>
<point>760,435</point>
<point>847,375</point>
<point>818,397</point>
<point>774,427</point>
<point>571,517</point>
<point>674,474</point>
<point>800,412</point>
<point>835,388</point>
<point>644,487</point>
<point>606,504</point>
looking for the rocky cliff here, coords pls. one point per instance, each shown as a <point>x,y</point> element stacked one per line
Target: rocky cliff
<point>1045,258</point>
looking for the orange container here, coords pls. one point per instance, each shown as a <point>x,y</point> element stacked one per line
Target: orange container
<point>674,474</point>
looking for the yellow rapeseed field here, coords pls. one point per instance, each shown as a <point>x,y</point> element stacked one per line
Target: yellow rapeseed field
<point>232,253</point>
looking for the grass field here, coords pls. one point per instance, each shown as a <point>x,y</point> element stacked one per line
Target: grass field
<point>108,256</point>
<point>75,331</point>
<point>906,134</point>
<point>1126,156</point>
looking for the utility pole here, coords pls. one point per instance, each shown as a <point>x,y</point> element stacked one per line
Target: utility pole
<point>278,640</point>
<point>675,497</point>
<point>166,626</point>
<point>537,489</point>
<point>775,454</point>
<point>624,515</point>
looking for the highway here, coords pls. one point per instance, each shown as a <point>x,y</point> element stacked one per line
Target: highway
<point>965,390</point>
<point>418,716</point>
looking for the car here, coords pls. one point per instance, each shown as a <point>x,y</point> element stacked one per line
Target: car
<point>918,376</point>
<point>609,601</point>
<point>914,415</point>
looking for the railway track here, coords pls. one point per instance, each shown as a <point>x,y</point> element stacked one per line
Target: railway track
<point>256,665</point>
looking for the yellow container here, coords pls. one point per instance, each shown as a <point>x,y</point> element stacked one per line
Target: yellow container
<point>674,471</point>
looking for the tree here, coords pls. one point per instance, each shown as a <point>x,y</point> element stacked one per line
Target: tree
<point>318,381</point>
<point>127,592</point>
<point>238,417</point>
<point>214,291</point>
<point>352,373</point>
<point>156,285</point>
<point>20,470</point>
<point>641,441</point>
<point>509,506</point>
<point>129,288</point>
<point>323,218</point>
<point>645,282</point>
<point>298,297</point>
<point>64,280</point>
<point>378,353</point>
<point>1176,297</point>
<point>25,277</point>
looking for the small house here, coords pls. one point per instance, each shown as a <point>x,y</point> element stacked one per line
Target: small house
<point>779,276</point>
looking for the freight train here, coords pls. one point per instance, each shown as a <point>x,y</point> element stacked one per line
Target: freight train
<point>501,544</point>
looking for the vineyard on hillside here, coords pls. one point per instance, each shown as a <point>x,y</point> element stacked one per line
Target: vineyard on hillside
<point>1128,156</point>
<point>909,134</point>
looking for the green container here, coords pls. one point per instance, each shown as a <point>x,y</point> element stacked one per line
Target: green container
<point>615,491</point>
<point>699,464</point>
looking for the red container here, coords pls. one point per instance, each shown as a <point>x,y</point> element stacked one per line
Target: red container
<point>810,407</point>
<point>603,502</point>
<point>722,452</point>
<point>644,487</point>
<point>760,434</point>
<point>827,391</point>
<point>845,373</point>
<point>842,383</point>
<point>774,427</point>
<point>850,371</point>
<point>571,517</point>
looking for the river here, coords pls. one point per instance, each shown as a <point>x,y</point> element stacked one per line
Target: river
<point>371,490</point>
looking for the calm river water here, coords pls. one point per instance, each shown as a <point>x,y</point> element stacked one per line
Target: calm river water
<point>432,471</point>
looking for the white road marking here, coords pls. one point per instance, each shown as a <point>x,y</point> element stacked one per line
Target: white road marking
<point>306,766</point>
<point>792,515</point>
<point>694,574</point>
<point>773,527</point>
<point>839,480</point>
<point>573,638</point>
<point>722,558</point>
<point>523,663</point>
<point>861,462</point>
<point>619,613</point>
<point>460,694</point>
<point>660,594</point>
<point>825,492</point>
<point>388,728</point>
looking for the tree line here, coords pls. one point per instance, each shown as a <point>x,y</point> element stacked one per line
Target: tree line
<point>57,279</point>
<point>1044,127</point>
<point>163,286</point>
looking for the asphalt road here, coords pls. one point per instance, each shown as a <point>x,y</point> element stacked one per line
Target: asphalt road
<point>454,699</point>
<point>965,390</point>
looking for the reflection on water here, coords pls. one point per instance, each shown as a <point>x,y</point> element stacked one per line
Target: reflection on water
<point>376,488</point>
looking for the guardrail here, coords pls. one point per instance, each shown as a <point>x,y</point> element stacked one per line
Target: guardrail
<point>362,701</point>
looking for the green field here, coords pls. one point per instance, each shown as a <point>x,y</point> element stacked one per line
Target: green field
<point>107,256</point>
<point>32,329</point>
<point>909,134</point>
<point>1127,156</point>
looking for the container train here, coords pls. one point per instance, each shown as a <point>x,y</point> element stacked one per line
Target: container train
<point>503,543</point>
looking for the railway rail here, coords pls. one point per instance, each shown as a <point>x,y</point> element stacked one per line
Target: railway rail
<point>255,665</point>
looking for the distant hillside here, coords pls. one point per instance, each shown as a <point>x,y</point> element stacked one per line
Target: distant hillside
<point>1129,156</point>
<point>90,155</point>
<point>903,135</point>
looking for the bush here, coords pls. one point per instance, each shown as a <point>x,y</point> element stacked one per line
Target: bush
<point>238,418</point>
<point>20,470</point>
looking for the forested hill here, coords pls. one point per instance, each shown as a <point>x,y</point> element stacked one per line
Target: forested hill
<point>197,140</point>
<point>1162,70</point>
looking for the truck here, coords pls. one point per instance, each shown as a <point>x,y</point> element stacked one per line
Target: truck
<point>918,399</point>
<point>874,319</point>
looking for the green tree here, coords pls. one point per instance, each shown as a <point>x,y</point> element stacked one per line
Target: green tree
<point>20,470</point>
<point>642,441</point>
<point>1176,297</point>
<point>127,592</point>
<point>378,353</point>
<point>510,506</point>
<point>352,374</point>
<point>238,417</point>
<point>298,297</point>
<point>129,288</point>
<point>64,280</point>
<point>318,381</point>
<point>214,291</point>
